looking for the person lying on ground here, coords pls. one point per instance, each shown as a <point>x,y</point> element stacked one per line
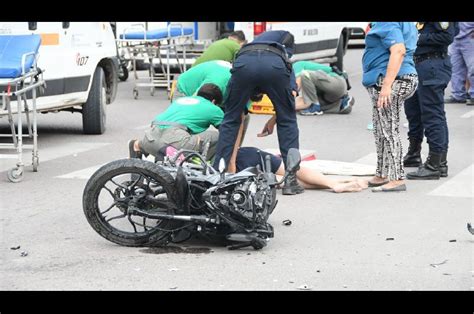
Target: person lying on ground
<point>309,178</point>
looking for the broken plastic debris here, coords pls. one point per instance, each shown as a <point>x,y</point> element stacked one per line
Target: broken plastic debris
<point>370,126</point>
<point>291,281</point>
<point>436,265</point>
<point>446,274</point>
<point>173,269</point>
<point>287,222</point>
<point>173,288</point>
<point>344,286</point>
<point>15,247</point>
<point>389,239</point>
<point>23,254</point>
<point>304,287</point>
<point>469,227</point>
<point>452,240</point>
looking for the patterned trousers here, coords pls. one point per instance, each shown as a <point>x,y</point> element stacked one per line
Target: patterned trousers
<point>386,123</point>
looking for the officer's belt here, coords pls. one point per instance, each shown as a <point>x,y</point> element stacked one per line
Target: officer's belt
<point>265,47</point>
<point>170,123</point>
<point>429,55</point>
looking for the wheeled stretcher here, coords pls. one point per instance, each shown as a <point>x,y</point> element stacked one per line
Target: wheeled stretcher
<point>171,40</point>
<point>20,79</point>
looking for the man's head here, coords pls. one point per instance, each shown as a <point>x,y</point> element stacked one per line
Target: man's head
<point>211,92</point>
<point>238,36</point>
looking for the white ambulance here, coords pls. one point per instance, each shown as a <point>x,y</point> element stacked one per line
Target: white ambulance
<point>80,66</point>
<point>324,42</point>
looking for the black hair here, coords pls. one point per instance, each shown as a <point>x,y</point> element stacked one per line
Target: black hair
<point>239,35</point>
<point>211,92</point>
<point>256,97</point>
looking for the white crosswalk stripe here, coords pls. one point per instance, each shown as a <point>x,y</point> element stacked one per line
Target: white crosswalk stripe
<point>83,174</point>
<point>49,153</point>
<point>469,114</point>
<point>459,186</point>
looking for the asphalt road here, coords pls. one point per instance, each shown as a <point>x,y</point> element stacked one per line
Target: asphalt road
<point>335,241</point>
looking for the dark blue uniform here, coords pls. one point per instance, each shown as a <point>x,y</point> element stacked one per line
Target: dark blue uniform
<point>259,70</point>
<point>425,110</point>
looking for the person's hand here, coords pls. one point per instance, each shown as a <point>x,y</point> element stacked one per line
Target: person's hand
<point>268,128</point>
<point>295,93</point>
<point>384,96</point>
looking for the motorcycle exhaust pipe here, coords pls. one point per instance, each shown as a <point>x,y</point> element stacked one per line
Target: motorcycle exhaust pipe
<point>138,212</point>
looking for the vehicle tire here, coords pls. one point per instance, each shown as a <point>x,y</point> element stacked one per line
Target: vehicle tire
<point>106,177</point>
<point>340,53</point>
<point>123,73</point>
<point>93,111</point>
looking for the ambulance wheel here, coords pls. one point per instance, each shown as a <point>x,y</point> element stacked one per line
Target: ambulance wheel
<point>135,93</point>
<point>93,111</point>
<point>123,73</point>
<point>15,175</point>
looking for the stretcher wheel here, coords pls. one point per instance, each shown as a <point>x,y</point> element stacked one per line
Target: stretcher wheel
<point>152,91</point>
<point>15,175</point>
<point>135,93</point>
<point>35,164</point>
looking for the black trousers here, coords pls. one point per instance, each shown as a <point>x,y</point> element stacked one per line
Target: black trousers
<point>253,72</point>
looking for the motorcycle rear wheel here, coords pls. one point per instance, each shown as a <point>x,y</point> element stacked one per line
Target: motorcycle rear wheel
<point>121,180</point>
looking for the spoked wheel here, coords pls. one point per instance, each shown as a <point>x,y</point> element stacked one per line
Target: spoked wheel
<point>118,196</point>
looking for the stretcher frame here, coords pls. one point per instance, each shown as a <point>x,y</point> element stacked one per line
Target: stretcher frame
<point>18,87</point>
<point>151,49</point>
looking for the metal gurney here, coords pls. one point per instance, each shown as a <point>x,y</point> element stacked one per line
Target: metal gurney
<point>171,40</point>
<point>19,80</point>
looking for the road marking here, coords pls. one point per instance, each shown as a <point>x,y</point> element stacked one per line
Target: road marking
<point>81,174</point>
<point>51,153</point>
<point>468,114</point>
<point>142,127</point>
<point>369,159</point>
<point>459,186</point>
<point>86,173</point>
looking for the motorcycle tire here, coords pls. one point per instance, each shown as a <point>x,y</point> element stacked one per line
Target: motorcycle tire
<point>155,236</point>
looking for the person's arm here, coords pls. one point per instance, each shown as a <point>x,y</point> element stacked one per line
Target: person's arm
<point>443,37</point>
<point>268,128</point>
<point>397,53</point>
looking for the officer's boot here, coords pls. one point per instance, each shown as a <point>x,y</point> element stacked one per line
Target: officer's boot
<point>429,170</point>
<point>413,156</point>
<point>291,186</point>
<point>443,165</point>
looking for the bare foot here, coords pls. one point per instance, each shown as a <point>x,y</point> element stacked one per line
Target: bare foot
<point>347,187</point>
<point>364,184</point>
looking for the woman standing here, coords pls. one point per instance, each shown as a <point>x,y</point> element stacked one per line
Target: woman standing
<point>390,78</point>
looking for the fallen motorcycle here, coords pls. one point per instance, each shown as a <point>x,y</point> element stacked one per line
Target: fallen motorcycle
<point>134,202</point>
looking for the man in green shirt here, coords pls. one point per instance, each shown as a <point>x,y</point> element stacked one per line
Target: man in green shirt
<point>322,88</point>
<point>215,72</point>
<point>184,125</point>
<point>224,49</point>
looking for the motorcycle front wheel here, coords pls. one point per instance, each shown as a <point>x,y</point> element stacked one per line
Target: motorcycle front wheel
<point>114,193</point>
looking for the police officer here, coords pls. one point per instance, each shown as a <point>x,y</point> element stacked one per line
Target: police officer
<point>425,110</point>
<point>263,66</point>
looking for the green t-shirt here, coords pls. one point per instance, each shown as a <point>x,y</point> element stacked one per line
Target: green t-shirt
<point>215,72</point>
<point>299,66</point>
<point>224,49</point>
<point>195,112</point>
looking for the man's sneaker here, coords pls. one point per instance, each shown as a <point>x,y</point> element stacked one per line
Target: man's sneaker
<point>132,152</point>
<point>452,100</point>
<point>313,110</point>
<point>470,102</point>
<point>346,104</point>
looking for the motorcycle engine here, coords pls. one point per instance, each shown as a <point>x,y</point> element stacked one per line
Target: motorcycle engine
<point>244,201</point>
